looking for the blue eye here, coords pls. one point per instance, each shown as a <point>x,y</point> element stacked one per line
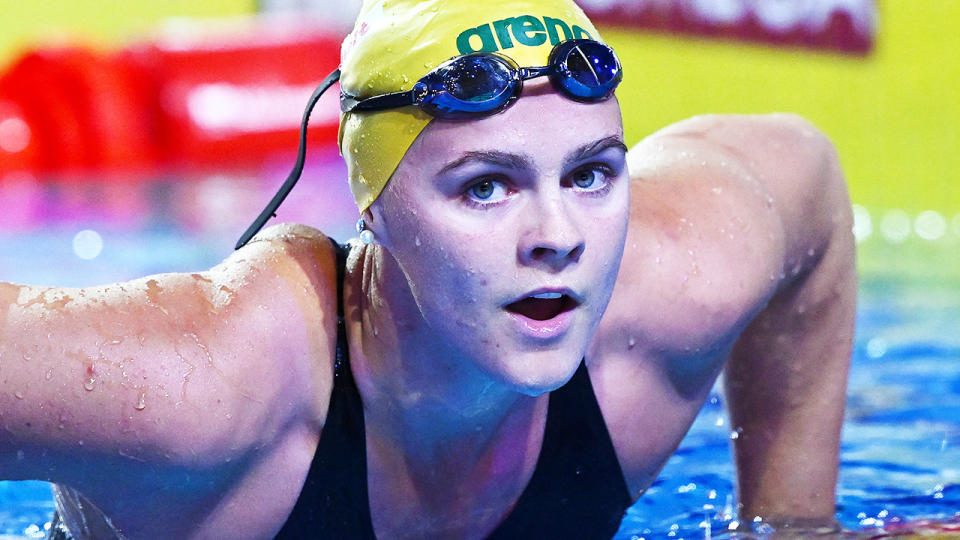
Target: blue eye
<point>482,190</point>
<point>486,191</point>
<point>585,178</point>
<point>593,179</point>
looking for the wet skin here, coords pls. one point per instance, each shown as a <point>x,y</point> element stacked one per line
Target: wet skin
<point>189,405</point>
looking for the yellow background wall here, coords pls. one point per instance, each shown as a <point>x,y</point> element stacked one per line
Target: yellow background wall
<point>894,115</point>
<point>26,22</point>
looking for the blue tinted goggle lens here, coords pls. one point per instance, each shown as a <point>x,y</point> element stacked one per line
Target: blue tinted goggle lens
<point>586,70</point>
<point>468,86</point>
<point>478,79</point>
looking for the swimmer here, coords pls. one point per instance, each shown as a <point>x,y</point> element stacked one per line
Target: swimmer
<point>528,327</point>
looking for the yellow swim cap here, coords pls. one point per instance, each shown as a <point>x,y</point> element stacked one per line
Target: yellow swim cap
<point>396,42</point>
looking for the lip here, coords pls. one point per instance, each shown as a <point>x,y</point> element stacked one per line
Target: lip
<point>547,328</point>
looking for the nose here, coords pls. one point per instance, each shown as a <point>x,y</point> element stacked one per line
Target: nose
<point>553,239</point>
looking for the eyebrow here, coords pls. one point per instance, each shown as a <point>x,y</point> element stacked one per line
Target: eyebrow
<point>591,149</point>
<point>524,161</point>
<point>492,157</point>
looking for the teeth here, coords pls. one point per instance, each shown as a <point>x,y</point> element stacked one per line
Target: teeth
<point>548,295</point>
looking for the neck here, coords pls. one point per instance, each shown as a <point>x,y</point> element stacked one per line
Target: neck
<point>417,388</point>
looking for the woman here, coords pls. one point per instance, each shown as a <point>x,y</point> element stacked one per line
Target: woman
<point>514,350</point>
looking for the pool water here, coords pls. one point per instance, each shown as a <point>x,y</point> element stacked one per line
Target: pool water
<point>900,457</point>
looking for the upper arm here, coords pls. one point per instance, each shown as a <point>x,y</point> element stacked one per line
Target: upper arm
<point>168,372</point>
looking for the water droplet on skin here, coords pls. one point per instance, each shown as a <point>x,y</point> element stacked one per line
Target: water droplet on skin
<point>734,435</point>
<point>416,241</point>
<point>88,384</point>
<point>811,252</point>
<point>49,374</point>
<point>141,402</point>
<point>228,416</point>
<point>631,343</point>
<point>376,331</point>
<point>18,395</point>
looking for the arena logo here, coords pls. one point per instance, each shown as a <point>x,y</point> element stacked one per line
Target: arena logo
<point>848,25</point>
<point>525,30</point>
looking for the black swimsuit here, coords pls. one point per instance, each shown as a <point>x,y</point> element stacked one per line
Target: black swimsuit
<point>577,489</point>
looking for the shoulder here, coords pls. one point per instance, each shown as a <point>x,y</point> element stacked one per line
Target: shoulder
<point>248,345</point>
<point>723,210</point>
<point>707,234</point>
<point>791,162</point>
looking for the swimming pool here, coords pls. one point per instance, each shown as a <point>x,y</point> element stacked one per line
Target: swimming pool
<point>901,446</point>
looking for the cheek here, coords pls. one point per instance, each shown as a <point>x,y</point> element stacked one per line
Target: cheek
<point>609,236</point>
<point>448,269</point>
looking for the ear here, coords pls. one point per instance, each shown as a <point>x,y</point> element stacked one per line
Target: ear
<point>374,222</point>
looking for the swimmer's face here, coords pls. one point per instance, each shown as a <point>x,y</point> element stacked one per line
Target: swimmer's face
<point>510,229</point>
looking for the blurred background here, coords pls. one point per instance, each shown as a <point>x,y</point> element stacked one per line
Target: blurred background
<point>143,137</point>
<point>203,99</point>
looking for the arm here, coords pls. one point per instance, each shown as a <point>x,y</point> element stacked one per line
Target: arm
<point>177,379</point>
<point>786,377</point>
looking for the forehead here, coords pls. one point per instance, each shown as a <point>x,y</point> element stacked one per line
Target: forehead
<point>542,123</point>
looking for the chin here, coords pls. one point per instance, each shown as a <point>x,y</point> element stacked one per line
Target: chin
<point>534,374</point>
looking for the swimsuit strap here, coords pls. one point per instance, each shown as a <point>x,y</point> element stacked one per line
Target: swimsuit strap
<point>333,502</point>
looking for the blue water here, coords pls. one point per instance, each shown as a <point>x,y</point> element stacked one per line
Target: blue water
<point>900,457</point>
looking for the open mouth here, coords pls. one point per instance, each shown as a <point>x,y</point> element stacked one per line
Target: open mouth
<point>542,307</point>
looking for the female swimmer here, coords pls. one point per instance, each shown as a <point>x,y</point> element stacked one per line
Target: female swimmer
<point>527,332</point>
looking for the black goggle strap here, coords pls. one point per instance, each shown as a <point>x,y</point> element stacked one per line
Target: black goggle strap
<point>394,100</point>
<point>271,209</point>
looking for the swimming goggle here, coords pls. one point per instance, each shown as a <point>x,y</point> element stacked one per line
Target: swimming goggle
<point>482,83</point>
<point>470,86</point>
